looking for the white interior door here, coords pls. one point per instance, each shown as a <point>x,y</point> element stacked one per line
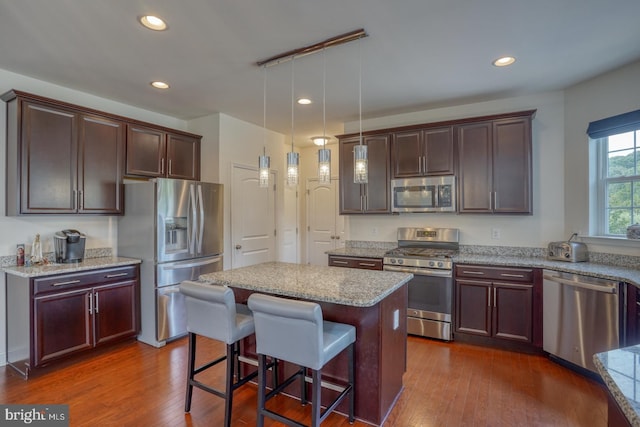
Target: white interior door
<point>253,223</point>
<point>326,229</point>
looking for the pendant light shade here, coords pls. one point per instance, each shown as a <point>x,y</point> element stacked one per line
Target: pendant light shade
<point>264,162</point>
<point>324,165</point>
<point>360,164</point>
<point>360,158</point>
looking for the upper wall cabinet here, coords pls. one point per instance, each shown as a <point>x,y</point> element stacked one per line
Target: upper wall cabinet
<point>495,166</point>
<point>155,153</point>
<point>422,152</point>
<point>373,197</point>
<point>62,160</point>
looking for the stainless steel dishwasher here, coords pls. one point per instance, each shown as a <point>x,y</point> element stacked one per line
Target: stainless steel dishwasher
<point>580,317</point>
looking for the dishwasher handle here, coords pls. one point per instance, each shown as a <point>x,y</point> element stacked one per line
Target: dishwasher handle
<point>611,288</point>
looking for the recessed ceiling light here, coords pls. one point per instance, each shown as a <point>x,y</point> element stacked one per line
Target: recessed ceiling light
<point>153,22</point>
<point>160,85</point>
<point>504,61</point>
<point>320,140</point>
<point>304,101</point>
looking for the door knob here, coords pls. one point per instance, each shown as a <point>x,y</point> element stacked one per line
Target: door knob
<point>238,246</point>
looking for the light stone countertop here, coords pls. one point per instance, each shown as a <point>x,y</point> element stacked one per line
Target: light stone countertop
<point>86,264</point>
<point>346,286</point>
<point>620,370</point>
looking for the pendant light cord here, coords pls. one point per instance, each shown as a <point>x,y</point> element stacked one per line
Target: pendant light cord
<point>324,98</point>
<point>360,85</point>
<point>264,109</point>
<point>293,77</point>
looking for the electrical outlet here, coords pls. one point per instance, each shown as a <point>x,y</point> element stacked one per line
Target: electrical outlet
<point>496,233</point>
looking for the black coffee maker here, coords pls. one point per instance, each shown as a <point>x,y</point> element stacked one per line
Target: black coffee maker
<point>69,246</point>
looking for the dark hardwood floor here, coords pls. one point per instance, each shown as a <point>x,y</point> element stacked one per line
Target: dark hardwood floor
<point>447,384</point>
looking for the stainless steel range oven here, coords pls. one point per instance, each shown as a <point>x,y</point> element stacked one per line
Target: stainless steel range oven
<point>426,252</point>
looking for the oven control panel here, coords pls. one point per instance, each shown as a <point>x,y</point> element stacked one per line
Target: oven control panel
<point>443,264</point>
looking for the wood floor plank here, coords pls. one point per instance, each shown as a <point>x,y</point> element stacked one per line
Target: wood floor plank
<point>446,384</point>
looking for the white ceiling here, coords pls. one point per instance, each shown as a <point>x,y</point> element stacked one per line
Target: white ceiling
<point>419,54</point>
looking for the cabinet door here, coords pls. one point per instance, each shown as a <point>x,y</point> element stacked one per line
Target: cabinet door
<point>351,200</point>
<point>183,154</point>
<point>101,163</point>
<point>146,150</point>
<point>62,325</point>
<point>377,198</point>
<point>49,159</point>
<point>475,167</point>
<point>115,312</point>
<point>513,311</point>
<point>438,151</point>
<point>407,157</point>
<point>512,166</point>
<point>473,307</point>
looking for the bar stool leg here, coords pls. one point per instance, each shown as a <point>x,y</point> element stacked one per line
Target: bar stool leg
<point>262,388</point>
<point>190,368</point>
<point>352,381</point>
<point>229,384</point>
<point>316,397</point>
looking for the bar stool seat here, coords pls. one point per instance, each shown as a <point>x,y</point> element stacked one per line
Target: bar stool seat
<point>213,313</point>
<point>295,331</point>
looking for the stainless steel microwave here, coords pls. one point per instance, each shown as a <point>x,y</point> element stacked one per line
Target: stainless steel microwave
<point>427,194</point>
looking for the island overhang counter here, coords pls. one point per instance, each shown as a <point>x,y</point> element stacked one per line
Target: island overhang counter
<point>375,302</point>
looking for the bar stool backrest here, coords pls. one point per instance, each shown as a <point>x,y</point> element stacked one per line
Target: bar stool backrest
<point>211,311</point>
<point>288,329</point>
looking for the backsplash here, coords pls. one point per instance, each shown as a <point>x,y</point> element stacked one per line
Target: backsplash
<point>10,260</point>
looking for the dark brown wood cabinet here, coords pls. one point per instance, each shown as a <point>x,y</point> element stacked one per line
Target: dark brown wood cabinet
<point>61,160</point>
<point>355,262</point>
<point>373,197</point>
<point>153,152</point>
<point>422,152</point>
<point>494,166</point>
<point>498,303</point>
<point>70,313</point>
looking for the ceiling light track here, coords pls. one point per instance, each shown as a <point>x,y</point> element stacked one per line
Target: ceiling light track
<point>307,50</point>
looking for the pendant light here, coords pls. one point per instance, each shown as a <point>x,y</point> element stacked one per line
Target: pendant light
<point>293,158</point>
<point>264,162</point>
<point>360,158</point>
<point>324,154</point>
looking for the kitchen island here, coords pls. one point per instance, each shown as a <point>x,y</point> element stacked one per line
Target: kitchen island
<point>619,371</point>
<point>375,302</point>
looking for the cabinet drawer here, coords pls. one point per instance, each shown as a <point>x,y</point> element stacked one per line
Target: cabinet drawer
<point>64,282</point>
<point>351,262</point>
<point>495,273</point>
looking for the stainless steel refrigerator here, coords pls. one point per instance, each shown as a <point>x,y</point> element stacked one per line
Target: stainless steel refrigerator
<point>176,228</point>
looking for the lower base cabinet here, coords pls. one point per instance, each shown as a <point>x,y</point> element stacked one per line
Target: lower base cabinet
<point>70,313</point>
<point>501,304</point>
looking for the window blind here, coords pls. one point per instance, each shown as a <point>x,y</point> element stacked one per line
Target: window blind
<point>621,123</point>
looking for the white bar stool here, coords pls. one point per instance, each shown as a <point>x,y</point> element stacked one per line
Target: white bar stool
<point>212,312</point>
<point>295,331</point>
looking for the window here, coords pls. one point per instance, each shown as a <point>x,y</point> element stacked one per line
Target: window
<point>618,179</point>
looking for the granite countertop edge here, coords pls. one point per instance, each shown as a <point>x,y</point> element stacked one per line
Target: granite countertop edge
<point>592,269</point>
<point>628,408</point>
<point>54,268</point>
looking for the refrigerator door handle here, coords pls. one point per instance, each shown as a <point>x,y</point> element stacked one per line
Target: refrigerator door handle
<point>178,266</point>
<point>201,225</point>
<point>192,219</point>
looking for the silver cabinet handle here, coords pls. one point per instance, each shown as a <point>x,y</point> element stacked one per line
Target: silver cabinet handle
<point>520,276</point>
<point>162,166</point>
<point>111,276</point>
<point>367,264</point>
<point>70,282</point>
<point>489,298</point>
<point>335,261</point>
<point>481,273</point>
<point>494,297</point>
<point>90,296</point>
<point>97,304</point>
<point>75,199</point>
<point>80,200</point>
<point>495,200</point>
<point>169,166</point>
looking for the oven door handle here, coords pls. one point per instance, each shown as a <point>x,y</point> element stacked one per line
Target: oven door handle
<point>419,271</point>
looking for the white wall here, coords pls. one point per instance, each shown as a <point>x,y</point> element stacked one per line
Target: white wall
<point>101,230</point>
<point>607,95</point>
<point>546,223</point>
